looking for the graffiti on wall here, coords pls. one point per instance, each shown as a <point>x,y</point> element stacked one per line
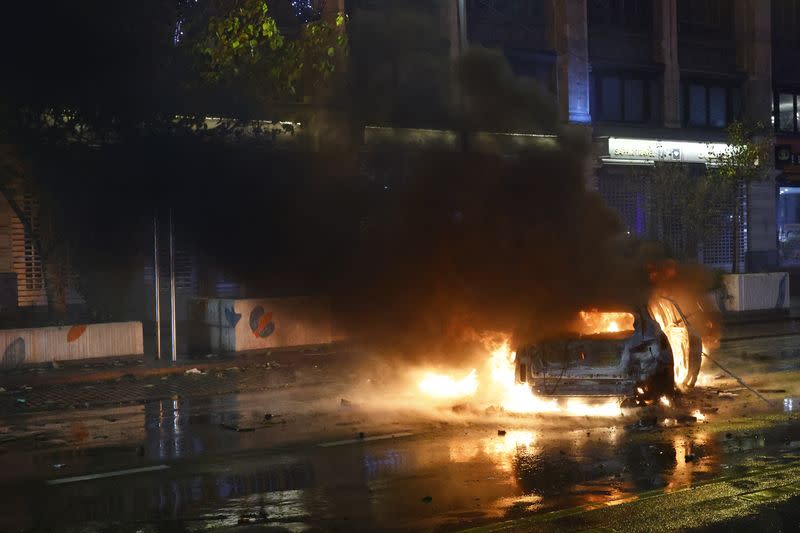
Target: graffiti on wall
<point>14,353</point>
<point>75,332</point>
<point>261,323</point>
<point>232,316</point>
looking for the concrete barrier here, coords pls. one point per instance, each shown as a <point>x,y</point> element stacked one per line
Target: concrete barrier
<point>757,291</point>
<point>80,341</point>
<point>234,325</point>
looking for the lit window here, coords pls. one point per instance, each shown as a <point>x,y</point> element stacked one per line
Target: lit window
<point>710,105</point>
<point>717,107</point>
<point>697,105</point>
<point>786,112</point>
<point>620,99</point>
<point>611,91</point>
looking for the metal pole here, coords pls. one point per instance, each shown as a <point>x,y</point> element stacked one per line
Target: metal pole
<point>172,287</point>
<point>737,378</point>
<point>157,285</point>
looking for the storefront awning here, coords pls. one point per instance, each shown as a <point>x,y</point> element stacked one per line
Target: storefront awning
<point>632,151</point>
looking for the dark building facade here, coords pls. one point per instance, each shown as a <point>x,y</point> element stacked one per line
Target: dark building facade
<point>658,81</point>
<point>786,119</point>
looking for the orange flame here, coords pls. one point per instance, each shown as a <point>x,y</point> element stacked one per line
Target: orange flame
<point>443,386</point>
<point>677,334</point>
<point>594,322</point>
<point>501,389</point>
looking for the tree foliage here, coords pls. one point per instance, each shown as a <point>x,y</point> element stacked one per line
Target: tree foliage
<point>687,206</point>
<point>244,44</point>
<point>747,159</point>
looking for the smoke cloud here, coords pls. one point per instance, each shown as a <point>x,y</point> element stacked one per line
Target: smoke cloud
<point>468,240</point>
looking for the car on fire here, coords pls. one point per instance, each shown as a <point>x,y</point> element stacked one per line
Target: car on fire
<point>640,354</point>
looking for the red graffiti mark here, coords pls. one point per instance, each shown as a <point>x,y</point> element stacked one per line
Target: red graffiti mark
<point>75,332</point>
<point>265,319</point>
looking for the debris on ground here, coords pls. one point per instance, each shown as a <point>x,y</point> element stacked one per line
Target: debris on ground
<point>193,372</point>
<point>22,401</point>
<point>238,429</point>
<point>687,419</point>
<point>647,421</point>
<point>268,416</point>
<point>725,394</point>
<point>427,499</point>
<point>501,432</point>
<point>59,466</point>
<point>460,408</point>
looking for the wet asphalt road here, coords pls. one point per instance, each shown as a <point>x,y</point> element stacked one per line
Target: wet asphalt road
<point>317,464</point>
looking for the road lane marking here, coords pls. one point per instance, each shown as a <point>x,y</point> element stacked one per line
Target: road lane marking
<point>115,473</point>
<point>365,439</point>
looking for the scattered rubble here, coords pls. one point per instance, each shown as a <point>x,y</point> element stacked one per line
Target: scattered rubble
<point>238,429</point>
<point>501,432</point>
<point>193,372</point>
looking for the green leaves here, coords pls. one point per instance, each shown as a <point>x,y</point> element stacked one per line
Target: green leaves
<point>748,155</point>
<point>244,40</point>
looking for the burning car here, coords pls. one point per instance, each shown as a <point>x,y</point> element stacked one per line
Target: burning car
<point>643,353</point>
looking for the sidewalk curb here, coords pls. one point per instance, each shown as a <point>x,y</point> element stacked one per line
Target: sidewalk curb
<point>74,372</point>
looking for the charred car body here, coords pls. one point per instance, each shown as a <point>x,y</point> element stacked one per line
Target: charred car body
<point>656,351</point>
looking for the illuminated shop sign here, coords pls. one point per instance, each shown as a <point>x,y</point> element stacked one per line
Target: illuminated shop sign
<point>648,151</point>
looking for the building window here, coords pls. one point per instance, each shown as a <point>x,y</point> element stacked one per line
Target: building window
<point>785,20</point>
<point>632,15</point>
<point>705,17</point>
<point>787,112</point>
<point>709,105</point>
<point>788,207</point>
<point>620,98</point>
